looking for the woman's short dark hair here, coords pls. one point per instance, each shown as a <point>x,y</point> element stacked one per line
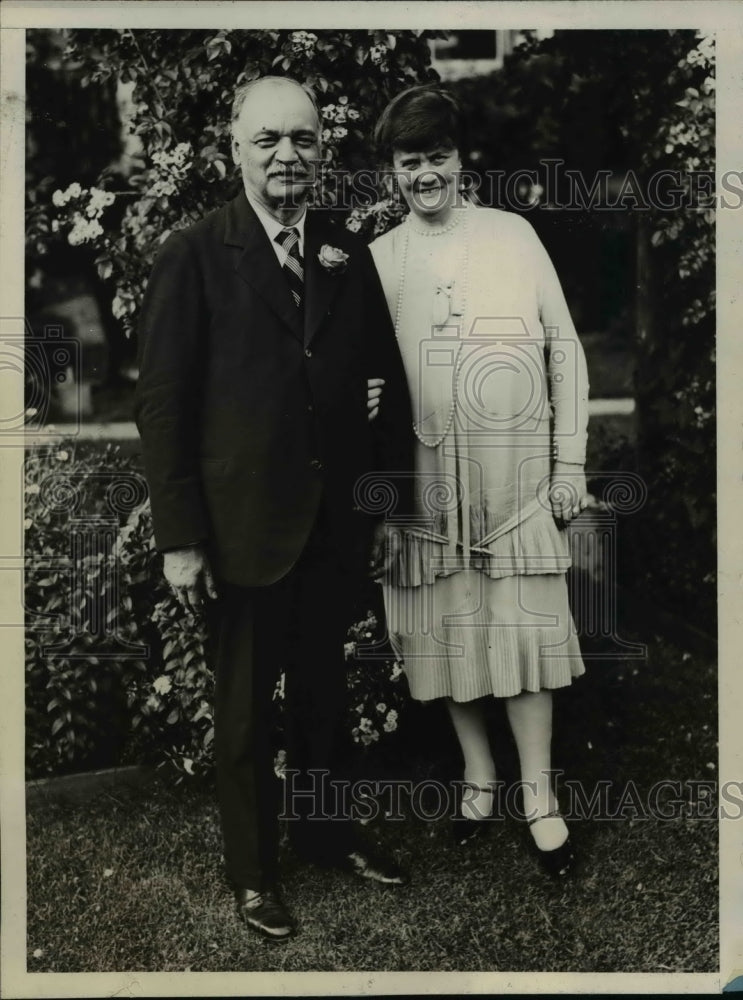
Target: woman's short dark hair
<point>418,119</point>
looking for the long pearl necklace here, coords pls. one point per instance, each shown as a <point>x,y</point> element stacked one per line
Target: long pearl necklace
<point>407,226</point>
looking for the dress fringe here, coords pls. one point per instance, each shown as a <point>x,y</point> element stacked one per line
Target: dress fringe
<point>535,546</point>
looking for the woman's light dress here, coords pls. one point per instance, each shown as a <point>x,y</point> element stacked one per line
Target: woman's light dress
<point>477,601</point>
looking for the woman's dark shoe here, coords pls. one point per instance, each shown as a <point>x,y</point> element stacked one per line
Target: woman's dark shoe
<point>558,862</point>
<point>366,864</point>
<point>265,913</point>
<point>464,828</point>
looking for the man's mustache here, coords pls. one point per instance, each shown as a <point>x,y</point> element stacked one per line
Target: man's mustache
<point>293,175</point>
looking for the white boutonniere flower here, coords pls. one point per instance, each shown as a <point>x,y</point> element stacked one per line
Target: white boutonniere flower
<point>333,259</point>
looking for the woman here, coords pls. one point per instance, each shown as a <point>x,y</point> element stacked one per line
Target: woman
<point>477,598</point>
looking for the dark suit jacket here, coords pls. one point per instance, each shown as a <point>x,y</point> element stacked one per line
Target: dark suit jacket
<point>247,416</point>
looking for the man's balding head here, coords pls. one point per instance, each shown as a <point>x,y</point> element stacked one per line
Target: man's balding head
<point>264,82</point>
<point>276,143</point>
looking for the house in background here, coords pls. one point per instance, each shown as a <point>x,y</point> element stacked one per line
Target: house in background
<point>475,52</point>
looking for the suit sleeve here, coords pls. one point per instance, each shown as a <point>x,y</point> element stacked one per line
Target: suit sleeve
<point>168,395</point>
<point>392,429</point>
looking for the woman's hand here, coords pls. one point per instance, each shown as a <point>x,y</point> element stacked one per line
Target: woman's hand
<point>568,492</point>
<point>374,394</point>
<point>384,550</point>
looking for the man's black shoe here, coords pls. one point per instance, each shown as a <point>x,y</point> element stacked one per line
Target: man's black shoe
<point>364,864</point>
<point>265,913</point>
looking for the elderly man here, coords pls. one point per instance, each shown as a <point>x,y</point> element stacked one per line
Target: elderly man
<point>261,327</point>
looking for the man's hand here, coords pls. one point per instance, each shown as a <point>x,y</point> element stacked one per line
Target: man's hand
<point>189,574</point>
<point>385,548</point>
<point>374,394</point>
<point>568,492</point>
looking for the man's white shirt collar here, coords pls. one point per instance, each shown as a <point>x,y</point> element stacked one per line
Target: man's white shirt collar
<point>273,227</point>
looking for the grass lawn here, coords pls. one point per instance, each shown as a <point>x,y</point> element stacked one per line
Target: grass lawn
<point>132,880</point>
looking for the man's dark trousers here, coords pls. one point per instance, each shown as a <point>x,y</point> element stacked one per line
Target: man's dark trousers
<point>298,624</point>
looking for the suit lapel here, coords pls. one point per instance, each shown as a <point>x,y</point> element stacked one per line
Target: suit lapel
<point>320,285</point>
<point>258,265</point>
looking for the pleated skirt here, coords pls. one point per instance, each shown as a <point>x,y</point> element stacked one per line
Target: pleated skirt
<point>467,635</point>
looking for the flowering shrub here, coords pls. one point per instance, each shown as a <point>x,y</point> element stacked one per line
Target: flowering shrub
<point>182,98</point>
<point>565,99</point>
<point>84,209</point>
<point>374,220</point>
<point>377,688</point>
<point>175,708</point>
<point>115,670</point>
<point>84,639</point>
<point>93,699</point>
<point>676,388</point>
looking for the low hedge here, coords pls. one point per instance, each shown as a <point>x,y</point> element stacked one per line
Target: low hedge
<point>115,671</point>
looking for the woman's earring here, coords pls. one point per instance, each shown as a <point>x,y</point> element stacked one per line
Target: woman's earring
<point>392,186</point>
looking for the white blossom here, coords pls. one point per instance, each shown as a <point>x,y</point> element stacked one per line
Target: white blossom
<point>164,186</point>
<point>83,230</point>
<point>279,764</point>
<point>162,684</point>
<point>390,724</point>
<point>303,42</point>
<point>99,200</point>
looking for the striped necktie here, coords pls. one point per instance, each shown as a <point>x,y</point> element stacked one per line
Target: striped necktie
<point>293,267</point>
